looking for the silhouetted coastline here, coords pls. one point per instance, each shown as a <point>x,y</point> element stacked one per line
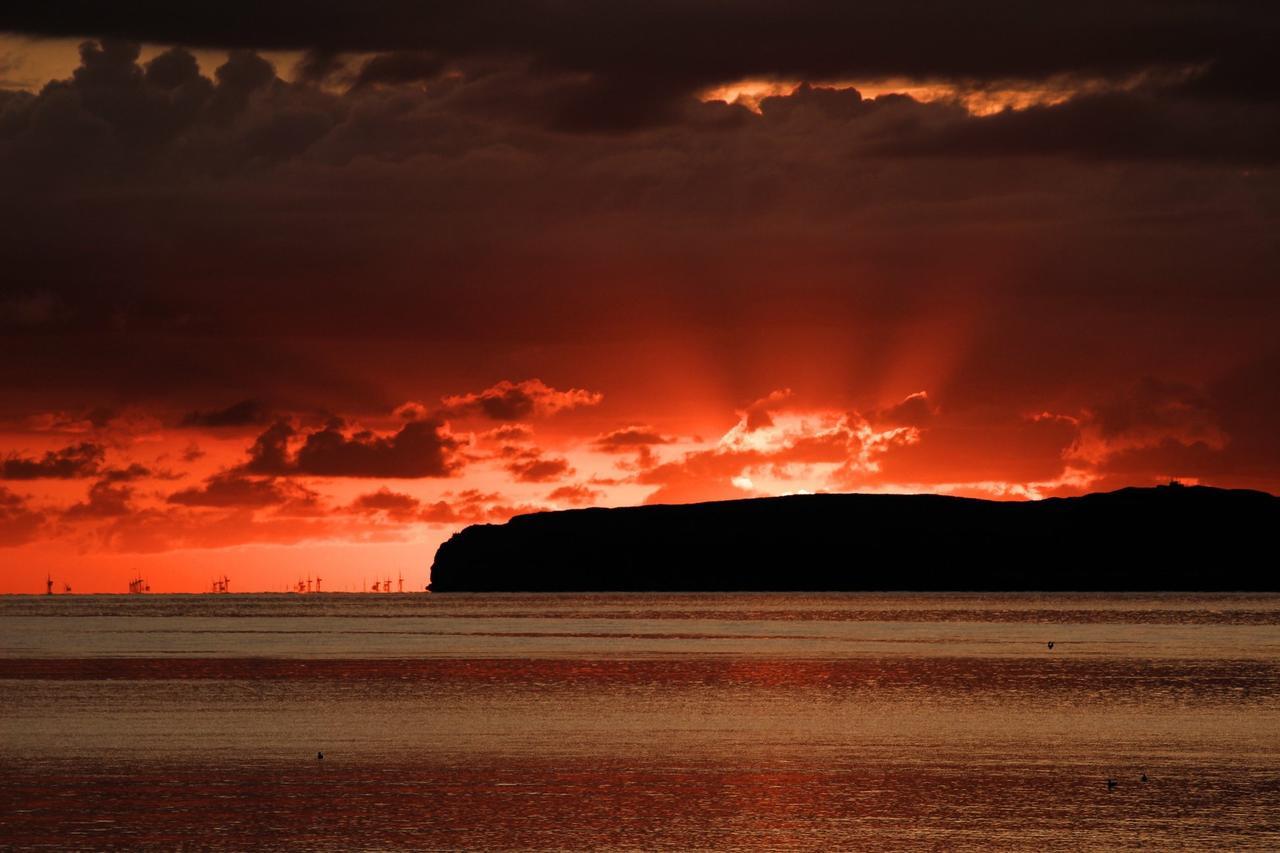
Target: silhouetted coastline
<point>1164,538</point>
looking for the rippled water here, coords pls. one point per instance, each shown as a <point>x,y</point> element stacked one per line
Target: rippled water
<point>716,721</point>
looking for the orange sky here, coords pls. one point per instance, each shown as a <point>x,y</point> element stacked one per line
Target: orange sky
<point>275,311</point>
<point>185,499</point>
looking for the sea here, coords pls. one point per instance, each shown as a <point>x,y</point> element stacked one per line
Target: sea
<point>861,721</point>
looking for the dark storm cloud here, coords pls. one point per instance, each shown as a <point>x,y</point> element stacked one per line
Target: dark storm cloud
<point>535,468</point>
<point>759,414</point>
<point>117,118</point>
<point>100,416</point>
<point>1156,405</point>
<point>1168,460</point>
<point>514,401</point>
<point>575,495</point>
<point>77,460</point>
<point>19,523</point>
<point>177,237</point>
<point>118,123</point>
<point>1246,400</point>
<point>1143,125</point>
<point>420,448</point>
<point>244,413</point>
<point>685,44</point>
<point>627,439</point>
<point>318,65</point>
<point>473,506</point>
<point>131,472</point>
<point>104,501</point>
<point>620,67</point>
<point>1223,432</point>
<point>509,432</point>
<point>398,67</point>
<point>915,410</point>
<point>969,448</point>
<point>396,505</point>
<point>231,489</point>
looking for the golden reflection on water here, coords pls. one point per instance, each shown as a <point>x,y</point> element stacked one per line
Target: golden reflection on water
<point>642,722</point>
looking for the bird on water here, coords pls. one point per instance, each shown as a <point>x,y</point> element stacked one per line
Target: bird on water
<point>1111,784</point>
<point>1051,644</point>
<point>319,756</point>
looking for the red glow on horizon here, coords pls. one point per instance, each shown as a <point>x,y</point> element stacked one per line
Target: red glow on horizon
<point>183,520</point>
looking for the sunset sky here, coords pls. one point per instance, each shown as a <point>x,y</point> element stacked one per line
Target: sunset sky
<point>305,291</point>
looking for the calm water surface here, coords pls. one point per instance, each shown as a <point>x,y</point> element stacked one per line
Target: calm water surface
<point>573,722</point>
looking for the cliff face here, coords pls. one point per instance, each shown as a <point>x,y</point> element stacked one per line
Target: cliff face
<point>1164,538</point>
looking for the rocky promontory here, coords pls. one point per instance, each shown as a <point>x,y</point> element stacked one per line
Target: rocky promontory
<point>1163,538</point>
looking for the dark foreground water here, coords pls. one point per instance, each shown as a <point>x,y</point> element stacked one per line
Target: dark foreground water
<point>642,722</point>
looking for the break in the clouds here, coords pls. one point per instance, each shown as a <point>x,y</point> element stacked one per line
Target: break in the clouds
<point>621,253</point>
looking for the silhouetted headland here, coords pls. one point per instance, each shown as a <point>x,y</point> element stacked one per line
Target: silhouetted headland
<point>1164,538</point>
